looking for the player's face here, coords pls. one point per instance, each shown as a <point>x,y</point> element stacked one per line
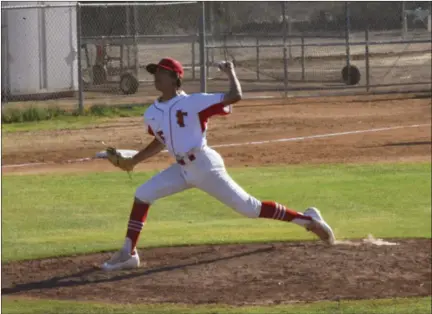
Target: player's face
<point>164,80</point>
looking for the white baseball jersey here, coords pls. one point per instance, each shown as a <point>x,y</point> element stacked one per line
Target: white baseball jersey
<point>181,122</point>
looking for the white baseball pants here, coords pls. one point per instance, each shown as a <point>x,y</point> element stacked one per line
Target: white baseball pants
<point>207,173</point>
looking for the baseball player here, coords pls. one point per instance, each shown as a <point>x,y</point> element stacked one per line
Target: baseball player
<point>178,122</point>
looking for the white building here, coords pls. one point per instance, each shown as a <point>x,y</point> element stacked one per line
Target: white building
<point>39,49</point>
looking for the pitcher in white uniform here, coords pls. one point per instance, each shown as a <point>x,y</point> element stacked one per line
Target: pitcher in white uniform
<point>178,121</point>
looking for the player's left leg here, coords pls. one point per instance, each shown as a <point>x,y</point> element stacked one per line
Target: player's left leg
<point>220,185</point>
<point>168,182</point>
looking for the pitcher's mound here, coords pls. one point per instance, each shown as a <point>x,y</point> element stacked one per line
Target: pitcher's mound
<point>235,274</point>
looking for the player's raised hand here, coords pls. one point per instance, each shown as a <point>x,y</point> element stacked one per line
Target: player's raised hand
<point>226,66</point>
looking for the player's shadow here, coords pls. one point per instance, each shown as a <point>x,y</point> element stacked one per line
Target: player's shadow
<point>81,278</point>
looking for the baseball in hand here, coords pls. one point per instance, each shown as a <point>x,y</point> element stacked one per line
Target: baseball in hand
<point>226,66</point>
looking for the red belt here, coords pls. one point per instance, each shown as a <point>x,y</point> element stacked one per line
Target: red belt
<point>182,162</point>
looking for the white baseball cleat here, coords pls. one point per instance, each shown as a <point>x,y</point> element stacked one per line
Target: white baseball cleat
<point>318,226</point>
<point>122,260</point>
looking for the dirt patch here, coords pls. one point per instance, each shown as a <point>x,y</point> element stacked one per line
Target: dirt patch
<point>251,121</point>
<point>234,274</point>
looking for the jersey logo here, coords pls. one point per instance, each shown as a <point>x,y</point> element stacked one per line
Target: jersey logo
<point>180,118</point>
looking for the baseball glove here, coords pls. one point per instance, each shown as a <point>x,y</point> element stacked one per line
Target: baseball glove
<point>124,163</point>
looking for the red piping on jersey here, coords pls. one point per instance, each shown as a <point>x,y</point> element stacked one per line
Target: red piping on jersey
<point>150,131</point>
<point>213,110</point>
<point>170,125</point>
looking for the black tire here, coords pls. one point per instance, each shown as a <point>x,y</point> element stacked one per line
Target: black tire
<point>99,74</point>
<point>128,84</point>
<point>354,77</point>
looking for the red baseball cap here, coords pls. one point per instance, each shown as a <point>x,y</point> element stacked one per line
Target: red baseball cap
<point>167,64</point>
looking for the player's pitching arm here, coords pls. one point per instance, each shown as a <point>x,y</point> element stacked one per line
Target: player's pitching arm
<point>235,92</point>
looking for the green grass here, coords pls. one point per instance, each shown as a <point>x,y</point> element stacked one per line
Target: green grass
<point>385,306</point>
<point>49,215</point>
<point>34,118</point>
<point>60,123</point>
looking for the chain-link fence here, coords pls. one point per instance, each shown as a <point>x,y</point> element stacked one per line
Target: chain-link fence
<point>302,47</point>
<point>279,48</point>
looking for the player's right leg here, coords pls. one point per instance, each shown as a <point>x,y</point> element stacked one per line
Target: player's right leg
<point>220,185</point>
<point>165,183</point>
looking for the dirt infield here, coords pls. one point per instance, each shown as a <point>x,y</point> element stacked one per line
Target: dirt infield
<point>243,274</point>
<point>251,121</point>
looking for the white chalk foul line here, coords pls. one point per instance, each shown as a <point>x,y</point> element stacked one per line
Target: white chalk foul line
<point>291,139</point>
<point>301,138</point>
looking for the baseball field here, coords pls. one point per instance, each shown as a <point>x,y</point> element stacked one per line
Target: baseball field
<point>364,161</point>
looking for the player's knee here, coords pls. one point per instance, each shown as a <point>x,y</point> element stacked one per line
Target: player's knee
<point>142,194</point>
<point>249,208</point>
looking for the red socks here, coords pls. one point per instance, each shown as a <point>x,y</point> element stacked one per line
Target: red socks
<point>137,219</point>
<point>273,210</point>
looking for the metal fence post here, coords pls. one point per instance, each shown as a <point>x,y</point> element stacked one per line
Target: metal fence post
<point>211,30</point>
<point>128,32</point>
<point>257,58</point>
<point>203,61</point>
<point>367,59</point>
<point>193,58</point>
<point>80,74</point>
<point>404,21</point>
<point>207,59</point>
<point>285,50</point>
<point>302,57</point>
<point>347,34</point>
<point>136,33</point>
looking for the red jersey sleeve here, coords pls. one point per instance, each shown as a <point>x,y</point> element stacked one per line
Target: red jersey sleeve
<point>214,110</point>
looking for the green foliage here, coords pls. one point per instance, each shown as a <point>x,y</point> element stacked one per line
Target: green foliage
<point>14,115</point>
<point>36,114</point>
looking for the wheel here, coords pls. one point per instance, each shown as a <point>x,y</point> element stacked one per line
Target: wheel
<point>128,84</point>
<point>354,75</point>
<point>99,74</point>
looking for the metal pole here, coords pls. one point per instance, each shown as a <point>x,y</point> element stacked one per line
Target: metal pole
<point>193,58</point>
<point>404,21</point>
<point>257,58</point>
<point>285,49</point>
<point>302,57</point>
<point>80,74</point>
<point>289,37</point>
<point>347,34</point>
<point>136,32</point>
<point>367,59</point>
<point>207,59</point>
<point>203,61</point>
<point>128,32</point>
<point>212,23</point>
